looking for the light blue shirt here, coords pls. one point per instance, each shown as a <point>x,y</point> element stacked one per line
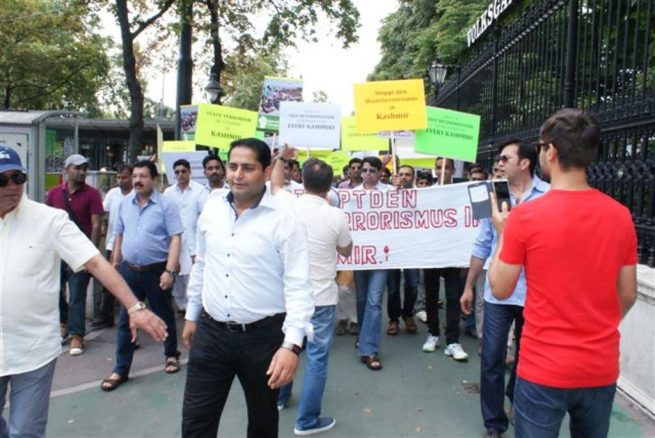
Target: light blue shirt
<point>147,231</point>
<point>485,245</point>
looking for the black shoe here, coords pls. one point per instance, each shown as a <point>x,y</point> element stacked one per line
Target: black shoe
<point>470,331</point>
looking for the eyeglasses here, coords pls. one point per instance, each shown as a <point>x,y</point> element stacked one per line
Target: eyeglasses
<point>369,170</point>
<point>504,158</point>
<point>177,172</point>
<point>18,178</point>
<point>539,145</point>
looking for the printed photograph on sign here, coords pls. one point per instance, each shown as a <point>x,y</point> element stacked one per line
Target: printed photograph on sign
<point>274,92</point>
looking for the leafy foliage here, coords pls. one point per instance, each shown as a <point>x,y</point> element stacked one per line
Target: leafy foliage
<point>51,57</point>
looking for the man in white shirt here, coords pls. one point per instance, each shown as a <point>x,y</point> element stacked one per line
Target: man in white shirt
<point>34,238</point>
<point>190,198</point>
<point>110,204</point>
<point>327,234</point>
<point>249,299</point>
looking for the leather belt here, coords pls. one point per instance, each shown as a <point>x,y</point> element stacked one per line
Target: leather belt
<point>159,266</point>
<point>278,318</point>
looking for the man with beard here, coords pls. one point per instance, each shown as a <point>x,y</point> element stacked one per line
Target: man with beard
<point>214,170</point>
<point>84,206</point>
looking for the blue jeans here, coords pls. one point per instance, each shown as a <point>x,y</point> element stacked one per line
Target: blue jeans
<point>540,409</point>
<point>369,286</point>
<point>73,313</point>
<point>318,351</point>
<point>394,309</point>
<point>145,285</point>
<point>497,321</point>
<point>29,398</point>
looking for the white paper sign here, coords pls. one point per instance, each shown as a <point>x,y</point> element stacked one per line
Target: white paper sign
<point>306,125</point>
<point>414,228</point>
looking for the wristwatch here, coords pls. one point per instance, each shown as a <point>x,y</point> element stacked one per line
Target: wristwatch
<point>171,273</point>
<point>140,305</point>
<point>292,347</point>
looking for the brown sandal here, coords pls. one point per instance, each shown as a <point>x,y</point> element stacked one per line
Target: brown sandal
<point>172,365</point>
<point>372,362</point>
<point>111,383</point>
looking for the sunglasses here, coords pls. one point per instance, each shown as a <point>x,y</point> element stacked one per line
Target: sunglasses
<point>504,158</point>
<point>539,145</point>
<point>370,170</point>
<point>18,178</point>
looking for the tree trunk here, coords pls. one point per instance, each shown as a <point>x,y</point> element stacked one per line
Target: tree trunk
<point>135,142</point>
<point>218,65</point>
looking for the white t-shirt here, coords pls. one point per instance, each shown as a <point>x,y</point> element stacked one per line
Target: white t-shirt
<point>111,202</point>
<point>327,228</point>
<point>33,240</point>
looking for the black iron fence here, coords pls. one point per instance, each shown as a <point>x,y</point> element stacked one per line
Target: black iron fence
<point>598,55</point>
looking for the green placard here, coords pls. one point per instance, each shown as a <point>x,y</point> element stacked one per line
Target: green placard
<point>219,125</point>
<point>351,140</point>
<point>450,134</point>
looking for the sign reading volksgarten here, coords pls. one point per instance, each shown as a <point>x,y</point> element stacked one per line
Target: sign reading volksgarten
<point>489,15</point>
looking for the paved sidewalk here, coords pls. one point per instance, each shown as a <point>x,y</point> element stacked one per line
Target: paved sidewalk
<point>416,394</point>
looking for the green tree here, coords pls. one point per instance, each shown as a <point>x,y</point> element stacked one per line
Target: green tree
<point>51,58</point>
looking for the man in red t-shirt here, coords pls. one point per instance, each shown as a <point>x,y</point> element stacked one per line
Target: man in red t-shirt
<point>84,206</point>
<point>579,249</point>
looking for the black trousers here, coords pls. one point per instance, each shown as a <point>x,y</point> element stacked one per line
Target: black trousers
<point>217,355</point>
<point>454,289</point>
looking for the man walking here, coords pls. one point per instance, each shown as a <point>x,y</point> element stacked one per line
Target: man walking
<point>579,250</point>
<point>370,284</point>
<point>327,235</point>
<point>402,181</point>
<point>518,161</point>
<point>110,204</point>
<point>250,300</point>
<point>146,253</point>
<point>190,198</point>
<point>34,239</point>
<point>84,207</point>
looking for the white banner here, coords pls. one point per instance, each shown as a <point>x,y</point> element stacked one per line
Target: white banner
<point>195,160</point>
<point>310,125</point>
<point>413,228</point>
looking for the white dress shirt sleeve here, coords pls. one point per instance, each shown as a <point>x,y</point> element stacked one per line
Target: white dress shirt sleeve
<point>194,288</point>
<point>299,301</point>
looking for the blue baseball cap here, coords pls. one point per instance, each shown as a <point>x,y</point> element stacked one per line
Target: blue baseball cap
<point>9,160</point>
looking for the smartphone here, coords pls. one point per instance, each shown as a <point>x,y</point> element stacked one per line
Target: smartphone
<point>501,190</point>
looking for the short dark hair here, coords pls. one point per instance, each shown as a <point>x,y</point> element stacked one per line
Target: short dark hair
<point>479,170</point>
<point>448,160</point>
<point>425,174</point>
<point>407,166</point>
<point>152,169</point>
<point>317,176</point>
<point>354,160</point>
<point>525,151</point>
<point>124,167</point>
<point>293,163</point>
<point>211,157</point>
<point>576,136</point>
<point>373,162</point>
<point>386,170</point>
<point>182,162</point>
<point>261,149</point>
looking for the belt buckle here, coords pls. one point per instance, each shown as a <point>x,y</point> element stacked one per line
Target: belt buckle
<point>236,327</point>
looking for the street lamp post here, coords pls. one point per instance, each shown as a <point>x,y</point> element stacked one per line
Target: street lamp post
<point>213,89</point>
<point>437,74</point>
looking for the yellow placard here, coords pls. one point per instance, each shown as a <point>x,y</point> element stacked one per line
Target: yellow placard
<point>219,125</point>
<point>351,140</point>
<point>425,163</point>
<point>390,106</point>
<point>178,146</point>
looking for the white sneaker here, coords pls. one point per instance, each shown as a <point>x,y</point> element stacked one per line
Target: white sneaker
<point>431,344</point>
<point>456,351</point>
<point>422,316</point>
